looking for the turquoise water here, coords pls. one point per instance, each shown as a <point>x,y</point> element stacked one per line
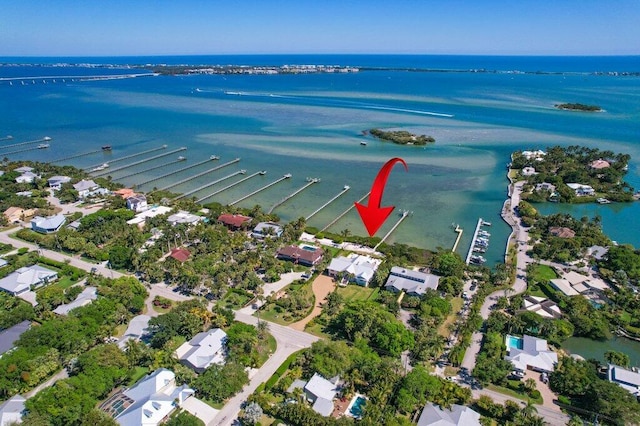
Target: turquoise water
<point>514,342</point>
<point>357,408</point>
<point>310,126</point>
<point>596,349</point>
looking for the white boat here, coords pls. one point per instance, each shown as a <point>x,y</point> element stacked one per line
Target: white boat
<point>43,146</point>
<point>181,158</point>
<point>214,157</point>
<point>102,167</point>
<point>483,233</point>
<point>603,201</point>
<point>485,223</point>
<point>363,143</point>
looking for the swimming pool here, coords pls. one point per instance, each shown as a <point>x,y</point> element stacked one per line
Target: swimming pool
<point>356,406</point>
<point>309,248</point>
<point>514,342</point>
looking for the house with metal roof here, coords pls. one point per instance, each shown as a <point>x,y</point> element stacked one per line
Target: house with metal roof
<point>414,283</point>
<point>305,255</point>
<point>627,379</point>
<point>359,268</point>
<point>531,352</point>
<point>203,350</point>
<point>264,229</point>
<point>10,336</point>
<point>458,415</point>
<point>320,392</point>
<point>23,279</point>
<point>184,217</point>
<point>55,182</point>
<point>27,177</point>
<point>137,329</point>
<point>11,410</point>
<point>85,187</point>
<point>47,225</point>
<point>88,295</point>
<point>137,203</point>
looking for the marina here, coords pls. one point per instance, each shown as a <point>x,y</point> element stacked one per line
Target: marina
<point>175,172</point>
<point>344,190</point>
<point>287,176</point>
<point>341,215</point>
<point>310,181</point>
<point>263,172</point>
<point>185,180</point>
<point>126,157</point>
<point>474,240</point>
<point>45,139</point>
<point>145,160</point>
<point>139,172</point>
<point>403,215</point>
<point>207,185</point>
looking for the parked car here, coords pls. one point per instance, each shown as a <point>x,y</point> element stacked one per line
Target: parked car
<point>544,378</point>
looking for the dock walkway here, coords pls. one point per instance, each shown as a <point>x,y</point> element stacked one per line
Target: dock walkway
<point>45,139</point>
<point>344,212</point>
<point>405,214</point>
<point>144,160</point>
<point>344,190</point>
<point>185,180</point>
<point>310,181</point>
<point>287,176</point>
<point>208,184</point>
<point>126,157</point>
<point>175,172</point>
<point>71,157</point>
<point>262,172</point>
<point>473,241</point>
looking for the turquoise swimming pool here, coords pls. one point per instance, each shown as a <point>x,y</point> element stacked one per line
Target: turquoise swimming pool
<point>356,408</point>
<point>514,342</point>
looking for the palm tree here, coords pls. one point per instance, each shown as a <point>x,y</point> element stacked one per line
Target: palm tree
<point>529,385</point>
<point>263,329</point>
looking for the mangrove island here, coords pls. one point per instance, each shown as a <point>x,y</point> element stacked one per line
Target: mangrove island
<point>402,137</point>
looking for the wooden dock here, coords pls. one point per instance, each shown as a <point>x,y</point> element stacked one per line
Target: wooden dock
<point>473,241</point>
<point>180,182</point>
<point>139,172</point>
<point>404,215</point>
<point>136,163</point>
<point>6,154</point>
<point>344,190</point>
<point>126,157</point>
<point>231,185</point>
<point>6,138</point>
<point>310,181</point>
<point>340,216</point>
<point>287,176</point>
<point>175,172</point>
<point>41,140</point>
<point>71,157</point>
<point>207,185</point>
<point>457,230</point>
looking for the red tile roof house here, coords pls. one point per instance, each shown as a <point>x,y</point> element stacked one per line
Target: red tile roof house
<point>234,221</point>
<point>300,255</point>
<point>180,254</point>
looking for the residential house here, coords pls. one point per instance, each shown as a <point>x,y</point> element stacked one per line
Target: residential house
<point>530,353</point>
<point>359,268</point>
<point>627,379</point>
<point>458,415</point>
<point>140,218</point>
<point>124,193</point>
<point>11,410</point>
<point>55,182</point>
<point>542,306</point>
<point>582,190</point>
<point>528,171</point>
<point>546,186</point>
<point>137,203</point>
<point>16,214</point>
<point>264,229</point>
<point>597,252</point>
<point>203,350</point>
<point>599,164</point>
<point>24,193</point>
<point>10,336</point>
<point>583,283</point>
<point>149,402</point>
<point>180,254</point>
<point>23,279</point>
<point>88,295</point>
<point>537,155</point>
<point>562,232</point>
<point>234,221</point>
<point>85,188</point>
<point>320,392</point>
<point>184,217</point>
<point>24,169</point>
<point>564,286</point>
<point>413,283</point>
<point>47,225</point>
<point>3,263</point>
<point>27,177</point>
<point>137,330</point>
<point>303,255</point>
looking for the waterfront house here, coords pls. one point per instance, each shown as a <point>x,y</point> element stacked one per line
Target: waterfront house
<point>149,402</point>
<point>546,186</point>
<point>23,279</point>
<point>458,415</point>
<point>234,221</point>
<point>626,379</point>
<point>597,252</point>
<point>88,295</point>
<point>542,306</point>
<point>55,182</point>
<point>10,336</point>
<point>137,203</point>
<point>599,164</point>
<point>320,392</point>
<point>528,171</point>
<point>27,177</point>
<point>180,254</point>
<point>24,169</point>
<point>359,268</point>
<point>582,190</point>
<point>413,283</point>
<point>265,229</point>
<point>85,188</point>
<point>531,353</point>
<point>124,193</point>
<point>140,218</point>
<point>11,410</point>
<point>47,225</point>
<point>203,350</point>
<point>562,232</point>
<point>305,255</point>
<point>537,155</point>
<point>16,214</point>
<point>3,263</point>
<point>184,217</point>
<point>137,329</point>
<point>564,286</point>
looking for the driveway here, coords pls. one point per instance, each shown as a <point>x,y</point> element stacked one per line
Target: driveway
<point>200,409</point>
<point>322,286</point>
<point>547,395</point>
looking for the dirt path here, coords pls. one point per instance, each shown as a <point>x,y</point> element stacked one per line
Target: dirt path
<point>322,286</point>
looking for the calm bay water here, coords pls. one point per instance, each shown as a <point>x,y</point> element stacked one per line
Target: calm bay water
<point>310,126</point>
<point>593,349</point>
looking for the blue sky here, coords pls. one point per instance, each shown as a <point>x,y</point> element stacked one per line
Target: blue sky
<point>146,27</point>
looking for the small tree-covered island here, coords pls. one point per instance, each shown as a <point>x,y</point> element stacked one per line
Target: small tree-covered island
<point>572,174</point>
<point>578,107</point>
<point>401,137</point>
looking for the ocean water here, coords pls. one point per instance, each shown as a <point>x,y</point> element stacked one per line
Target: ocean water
<point>310,126</point>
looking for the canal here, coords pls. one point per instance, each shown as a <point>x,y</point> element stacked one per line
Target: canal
<point>595,349</point>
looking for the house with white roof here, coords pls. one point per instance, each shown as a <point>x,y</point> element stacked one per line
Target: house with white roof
<point>55,182</point>
<point>88,295</point>
<point>204,349</point>
<point>563,286</point>
<point>320,392</point>
<point>149,402</point>
<point>184,217</point>
<point>11,410</point>
<point>458,415</point>
<point>360,268</point>
<point>537,155</point>
<point>137,329</point>
<point>27,177</point>
<point>10,336</point>
<point>413,283</point>
<point>528,171</point>
<point>264,229</point>
<point>627,379</point>
<point>582,190</point>
<point>47,225</point>
<point>23,279</point>
<point>546,186</point>
<point>85,187</point>
<point>542,306</point>
<point>533,354</point>
<point>140,218</point>
<point>24,169</point>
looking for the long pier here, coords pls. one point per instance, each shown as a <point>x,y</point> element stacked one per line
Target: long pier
<point>6,138</point>
<point>458,231</point>
<point>180,182</point>
<point>473,241</point>
<point>341,215</point>
<point>403,217</point>
<point>6,154</point>
<point>126,157</point>
<point>80,77</point>
<point>153,179</point>
<point>231,185</point>
<point>344,190</point>
<point>71,157</point>
<point>45,139</point>
<point>287,176</point>
<point>310,181</point>
<point>179,160</point>
<point>144,160</point>
<point>206,185</point>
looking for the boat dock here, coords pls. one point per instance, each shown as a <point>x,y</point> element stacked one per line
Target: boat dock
<point>404,215</point>
<point>6,154</point>
<point>213,157</point>
<point>231,185</point>
<point>180,182</point>
<point>126,157</point>
<point>206,185</point>
<point>6,138</point>
<point>178,160</point>
<point>473,240</point>
<point>457,230</point>
<point>71,157</point>
<point>344,190</point>
<point>287,176</point>
<point>45,139</point>
<point>344,212</point>
<point>144,160</point>
<point>310,181</point>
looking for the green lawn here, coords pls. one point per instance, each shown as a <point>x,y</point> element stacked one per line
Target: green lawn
<point>269,312</point>
<point>456,305</point>
<point>233,300</point>
<point>270,349</point>
<point>543,273</point>
<point>513,393</point>
<point>356,292</point>
<point>138,373</point>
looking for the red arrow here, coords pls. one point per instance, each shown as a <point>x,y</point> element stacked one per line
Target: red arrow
<point>373,216</point>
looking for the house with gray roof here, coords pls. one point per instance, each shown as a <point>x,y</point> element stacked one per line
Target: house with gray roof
<point>320,392</point>
<point>137,203</point>
<point>11,410</point>
<point>360,268</point>
<point>413,283</point>
<point>204,349</point>
<point>531,353</point>
<point>47,225</point>
<point>137,329</point>
<point>627,379</point>
<point>264,229</point>
<point>88,295</point>
<point>10,336</point>
<point>184,217</point>
<point>23,279</point>
<point>27,177</point>
<point>458,415</point>
<point>85,187</point>
<point>24,169</point>
<point>55,182</point>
